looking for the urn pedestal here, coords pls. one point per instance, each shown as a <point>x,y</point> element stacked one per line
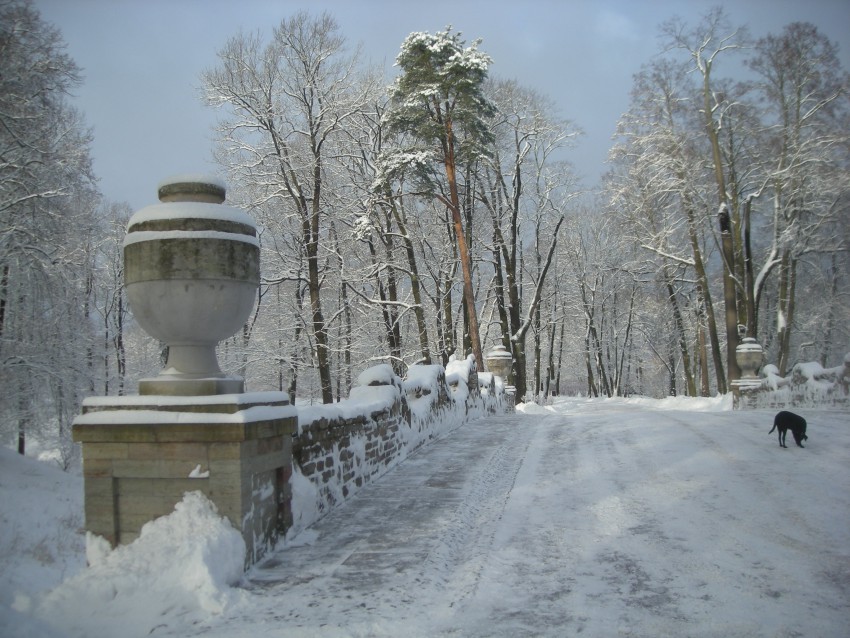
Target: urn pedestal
<point>750,357</point>
<point>500,362</point>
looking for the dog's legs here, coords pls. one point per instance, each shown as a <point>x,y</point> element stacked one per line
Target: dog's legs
<point>782,434</point>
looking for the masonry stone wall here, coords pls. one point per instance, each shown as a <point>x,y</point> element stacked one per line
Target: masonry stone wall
<point>339,448</point>
<point>808,384</point>
<point>270,468</point>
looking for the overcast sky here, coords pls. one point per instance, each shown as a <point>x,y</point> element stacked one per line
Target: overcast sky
<point>142,60</point>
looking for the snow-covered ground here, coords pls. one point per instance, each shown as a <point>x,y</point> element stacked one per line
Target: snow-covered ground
<point>595,517</point>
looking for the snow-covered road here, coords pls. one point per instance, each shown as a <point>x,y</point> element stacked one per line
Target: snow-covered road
<point>598,518</point>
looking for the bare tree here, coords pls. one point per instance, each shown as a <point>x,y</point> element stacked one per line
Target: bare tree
<point>803,91</point>
<point>522,186</point>
<point>712,38</point>
<point>289,102</point>
<point>45,188</point>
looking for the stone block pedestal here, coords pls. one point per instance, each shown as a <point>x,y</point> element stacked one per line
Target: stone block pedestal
<point>743,390</point>
<point>142,453</point>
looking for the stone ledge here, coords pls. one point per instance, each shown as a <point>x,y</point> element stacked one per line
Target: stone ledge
<point>216,404</point>
<point>106,430</point>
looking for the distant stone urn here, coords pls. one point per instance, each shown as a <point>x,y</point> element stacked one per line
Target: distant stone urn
<point>499,362</point>
<point>750,356</point>
<point>191,269</point>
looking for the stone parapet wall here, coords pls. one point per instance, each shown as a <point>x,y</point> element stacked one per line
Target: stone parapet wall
<point>340,447</point>
<point>808,384</point>
<point>268,467</point>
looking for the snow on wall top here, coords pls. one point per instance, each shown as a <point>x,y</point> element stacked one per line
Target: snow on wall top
<point>178,401</point>
<point>421,376</point>
<point>378,388</point>
<point>381,374</point>
<point>460,369</point>
<point>167,417</point>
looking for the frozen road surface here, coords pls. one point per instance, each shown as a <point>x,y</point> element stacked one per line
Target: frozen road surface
<point>585,518</point>
<point>593,518</point>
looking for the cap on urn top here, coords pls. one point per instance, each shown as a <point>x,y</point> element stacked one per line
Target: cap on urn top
<point>191,269</point>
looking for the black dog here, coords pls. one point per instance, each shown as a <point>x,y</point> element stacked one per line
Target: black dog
<point>785,421</point>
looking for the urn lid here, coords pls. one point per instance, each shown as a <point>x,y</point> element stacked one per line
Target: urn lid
<point>498,352</point>
<point>192,201</point>
<point>192,187</point>
<point>748,344</point>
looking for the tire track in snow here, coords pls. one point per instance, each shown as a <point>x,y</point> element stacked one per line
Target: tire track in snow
<point>466,539</point>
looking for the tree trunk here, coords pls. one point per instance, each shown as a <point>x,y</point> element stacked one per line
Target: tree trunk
<point>537,353</point>
<point>560,359</point>
<point>832,312</point>
<point>320,332</point>
<point>499,293</point>
<point>620,378</point>
<point>4,288</point>
<point>592,390</point>
<point>23,422</point>
<point>785,315</point>
<point>681,337</point>
<point>671,367</point>
<point>704,294</point>
<point>465,259</point>
<point>415,287</point>
<point>729,295</point>
<point>550,359</point>
<point>449,341</point>
<point>704,380</point>
<point>120,353</point>
<point>296,354</point>
<point>749,278</point>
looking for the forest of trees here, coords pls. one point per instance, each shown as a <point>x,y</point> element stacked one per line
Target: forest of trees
<point>437,217</point>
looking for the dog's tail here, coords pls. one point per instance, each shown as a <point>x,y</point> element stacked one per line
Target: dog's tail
<point>773,428</point>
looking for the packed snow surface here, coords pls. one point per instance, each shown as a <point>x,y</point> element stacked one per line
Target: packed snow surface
<point>593,517</point>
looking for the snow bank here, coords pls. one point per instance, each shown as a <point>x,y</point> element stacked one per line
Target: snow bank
<point>182,565</point>
<point>40,541</point>
<point>717,403</point>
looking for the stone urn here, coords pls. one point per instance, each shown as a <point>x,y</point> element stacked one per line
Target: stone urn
<point>191,272</point>
<point>499,362</point>
<point>750,356</point>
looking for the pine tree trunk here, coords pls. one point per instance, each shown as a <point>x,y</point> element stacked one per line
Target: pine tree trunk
<point>465,259</point>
